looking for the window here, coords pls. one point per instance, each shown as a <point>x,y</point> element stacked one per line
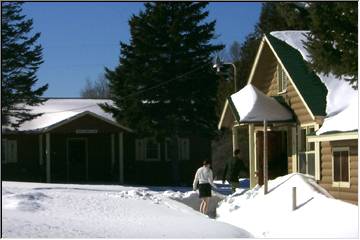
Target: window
<point>147,149</point>
<point>341,167</point>
<point>307,156</point>
<point>8,151</point>
<point>152,150</point>
<point>281,79</point>
<point>184,149</point>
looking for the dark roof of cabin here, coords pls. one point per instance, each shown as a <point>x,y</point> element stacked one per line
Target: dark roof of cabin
<point>305,79</point>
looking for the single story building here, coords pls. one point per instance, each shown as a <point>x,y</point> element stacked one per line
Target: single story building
<point>75,141</point>
<point>312,118</point>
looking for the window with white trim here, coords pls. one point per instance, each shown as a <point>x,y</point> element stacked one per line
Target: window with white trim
<point>147,149</point>
<point>281,79</point>
<point>183,151</point>
<point>307,161</point>
<point>9,151</point>
<point>341,167</point>
<point>184,147</point>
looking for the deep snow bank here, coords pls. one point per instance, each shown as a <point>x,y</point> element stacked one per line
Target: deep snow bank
<point>318,215</point>
<point>192,200</point>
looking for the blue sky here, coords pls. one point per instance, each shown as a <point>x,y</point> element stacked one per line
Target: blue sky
<point>80,39</point>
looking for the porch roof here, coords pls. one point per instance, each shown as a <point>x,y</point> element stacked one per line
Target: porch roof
<point>250,105</point>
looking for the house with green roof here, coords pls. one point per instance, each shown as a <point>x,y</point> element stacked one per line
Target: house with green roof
<point>297,104</point>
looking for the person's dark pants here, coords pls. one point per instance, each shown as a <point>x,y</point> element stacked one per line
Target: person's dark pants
<point>234,185</point>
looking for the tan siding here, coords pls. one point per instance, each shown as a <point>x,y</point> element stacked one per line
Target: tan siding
<point>347,194</point>
<point>297,105</point>
<point>273,88</point>
<point>264,70</point>
<point>291,97</point>
<point>264,79</point>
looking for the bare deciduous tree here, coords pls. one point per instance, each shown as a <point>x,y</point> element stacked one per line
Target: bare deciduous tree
<point>96,89</point>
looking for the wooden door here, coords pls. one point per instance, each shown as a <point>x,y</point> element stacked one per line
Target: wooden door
<point>77,160</point>
<point>277,154</point>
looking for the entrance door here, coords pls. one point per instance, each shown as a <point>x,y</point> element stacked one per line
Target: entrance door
<point>77,160</point>
<point>277,154</point>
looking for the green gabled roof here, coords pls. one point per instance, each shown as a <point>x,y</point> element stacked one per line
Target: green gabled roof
<point>305,79</point>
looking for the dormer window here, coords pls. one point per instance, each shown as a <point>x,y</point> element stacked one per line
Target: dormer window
<point>281,79</point>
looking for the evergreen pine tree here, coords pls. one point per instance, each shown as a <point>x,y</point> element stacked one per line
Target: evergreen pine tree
<point>21,58</point>
<point>333,40</point>
<point>164,84</point>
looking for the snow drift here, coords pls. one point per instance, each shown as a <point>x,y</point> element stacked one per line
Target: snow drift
<point>317,215</point>
<point>38,210</point>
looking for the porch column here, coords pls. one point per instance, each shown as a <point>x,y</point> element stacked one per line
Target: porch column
<point>265,158</point>
<point>235,138</point>
<point>253,181</point>
<point>294,148</point>
<point>41,160</point>
<point>48,159</point>
<point>121,157</point>
<point>112,150</point>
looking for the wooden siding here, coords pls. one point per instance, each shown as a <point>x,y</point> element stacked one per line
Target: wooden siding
<point>292,98</point>
<point>265,80</point>
<point>27,167</point>
<point>264,70</point>
<point>98,157</point>
<point>161,172</point>
<point>99,152</point>
<point>346,194</point>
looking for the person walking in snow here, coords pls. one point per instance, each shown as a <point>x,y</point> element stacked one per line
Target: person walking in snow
<point>204,177</point>
<point>232,170</point>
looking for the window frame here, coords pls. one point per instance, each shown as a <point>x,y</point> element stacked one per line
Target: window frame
<point>186,152</point>
<point>8,156</point>
<point>148,159</point>
<point>141,145</point>
<point>340,184</point>
<point>308,150</point>
<point>281,84</point>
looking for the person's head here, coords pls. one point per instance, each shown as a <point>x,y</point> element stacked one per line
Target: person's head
<point>236,152</point>
<point>206,163</point>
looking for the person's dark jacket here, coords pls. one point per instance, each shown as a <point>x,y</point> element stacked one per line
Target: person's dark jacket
<point>232,169</point>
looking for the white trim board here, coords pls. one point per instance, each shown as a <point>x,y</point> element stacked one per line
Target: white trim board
<point>334,137</point>
<point>223,114</point>
<point>63,122</point>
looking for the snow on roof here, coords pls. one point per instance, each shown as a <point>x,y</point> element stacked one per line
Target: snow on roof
<point>271,215</point>
<point>57,110</point>
<point>341,95</point>
<point>254,106</point>
<point>343,121</point>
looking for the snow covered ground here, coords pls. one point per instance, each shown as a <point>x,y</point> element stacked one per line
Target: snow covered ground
<point>317,215</point>
<point>109,211</point>
<point>89,211</point>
